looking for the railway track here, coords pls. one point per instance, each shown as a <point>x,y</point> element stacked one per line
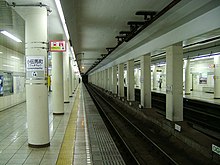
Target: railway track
<point>205,115</point>
<point>142,141</point>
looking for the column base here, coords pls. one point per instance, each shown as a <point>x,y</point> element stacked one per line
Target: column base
<point>216,97</point>
<point>58,113</point>
<point>66,102</point>
<point>130,102</point>
<point>141,106</point>
<point>39,146</point>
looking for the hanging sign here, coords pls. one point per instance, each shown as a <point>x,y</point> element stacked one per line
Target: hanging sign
<point>57,46</point>
<point>35,67</point>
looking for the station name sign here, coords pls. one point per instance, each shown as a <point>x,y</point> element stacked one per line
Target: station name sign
<point>35,67</point>
<point>57,46</point>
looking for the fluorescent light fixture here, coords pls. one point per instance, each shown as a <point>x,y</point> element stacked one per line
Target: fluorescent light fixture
<point>8,66</point>
<point>10,36</point>
<point>60,11</point>
<point>15,57</point>
<point>73,54</point>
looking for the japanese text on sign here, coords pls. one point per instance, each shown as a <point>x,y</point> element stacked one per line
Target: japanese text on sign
<point>57,46</point>
<point>34,63</point>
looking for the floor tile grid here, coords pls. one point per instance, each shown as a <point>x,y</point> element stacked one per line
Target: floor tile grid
<point>104,150</point>
<point>82,153</point>
<point>66,152</point>
<point>16,151</point>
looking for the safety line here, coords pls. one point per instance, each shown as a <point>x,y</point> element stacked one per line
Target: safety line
<point>66,154</point>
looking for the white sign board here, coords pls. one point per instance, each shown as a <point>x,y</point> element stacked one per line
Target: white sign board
<point>35,67</point>
<point>216,149</point>
<point>35,63</point>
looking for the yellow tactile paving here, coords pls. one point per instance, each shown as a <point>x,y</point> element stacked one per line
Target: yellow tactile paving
<point>65,156</point>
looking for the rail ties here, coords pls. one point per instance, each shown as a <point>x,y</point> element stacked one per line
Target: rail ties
<point>141,148</point>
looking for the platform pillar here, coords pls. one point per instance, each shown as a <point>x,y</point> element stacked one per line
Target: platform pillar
<point>174,82</point>
<point>36,86</point>
<point>73,82</point>
<point>154,77</point>
<point>66,76</point>
<point>57,81</point>
<point>145,81</point>
<point>217,77</point>
<point>130,80</point>
<point>187,77</point>
<point>106,79</point>
<point>121,80</point>
<point>114,79</point>
<point>103,79</point>
<point>110,79</point>
<point>70,77</point>
<point>99,79</point>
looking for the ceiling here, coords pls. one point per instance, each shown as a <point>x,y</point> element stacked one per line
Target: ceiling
<point>94,24</point>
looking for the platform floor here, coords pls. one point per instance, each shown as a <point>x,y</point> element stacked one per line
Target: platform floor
<point>196,95</point>
<point>78,137</point>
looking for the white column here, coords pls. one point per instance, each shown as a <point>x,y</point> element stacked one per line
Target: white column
<point>174,82</point>
<point>187,77</point>
<point>98,79</point>
<point>110,79</point>
<point>73,82</point>
<point>95,78</point>
<point>106,78</point>
<point>114,79</point>
<point>70,77</point>
<point>66,76</point>
<point>101,79</point>
<point>145,81</point>
<point>121,80</point>
<point>76,81</point>
<point>154,77</point>
<point>36,90</point>
<point>130,80</point>
<point>57,80</point>
<point>217,77</point>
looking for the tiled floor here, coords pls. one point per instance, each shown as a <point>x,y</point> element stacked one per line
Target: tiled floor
<point>14,148</point>
<point>75,138</point>
<point>87,148</point>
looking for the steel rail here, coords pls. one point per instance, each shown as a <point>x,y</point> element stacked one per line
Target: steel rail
<point>164,154</point>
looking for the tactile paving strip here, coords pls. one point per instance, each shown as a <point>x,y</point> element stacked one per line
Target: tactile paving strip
<point>103,148</point>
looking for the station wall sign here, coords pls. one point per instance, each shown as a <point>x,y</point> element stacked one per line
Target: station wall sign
<point>35,67</point>
<point>57,46</point>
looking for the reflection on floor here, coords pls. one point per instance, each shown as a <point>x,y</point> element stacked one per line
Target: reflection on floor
<point>13,137</point>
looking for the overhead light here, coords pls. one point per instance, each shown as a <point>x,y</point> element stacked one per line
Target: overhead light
<point>10,36</point>
<point>11,66</point>
<point>15,57</point>
<point>60,11</point>
<point>1,52</point>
